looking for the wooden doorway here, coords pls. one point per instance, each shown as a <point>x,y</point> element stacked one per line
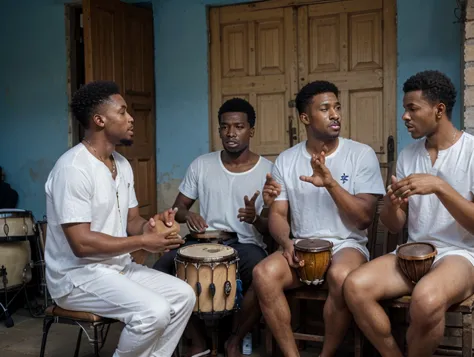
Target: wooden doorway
<point>117,44</point>
<point>266,51</point>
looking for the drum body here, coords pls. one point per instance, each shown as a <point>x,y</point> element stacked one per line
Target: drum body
<point>315,257</point>
<point>416,259</point>
<point>15,257</point>
<point>16,225</point>
<point>211,270</point>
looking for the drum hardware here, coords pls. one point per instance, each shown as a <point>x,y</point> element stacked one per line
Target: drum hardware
<point>314,259</point>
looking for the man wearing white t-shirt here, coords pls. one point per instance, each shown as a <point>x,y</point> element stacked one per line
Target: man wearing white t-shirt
<point>228,184</point>
<point>330,185</point>
<point>93,226</point>
<point>435,185</point>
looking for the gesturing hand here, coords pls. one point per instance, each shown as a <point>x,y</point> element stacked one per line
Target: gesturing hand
<point>161,238</point>
<point>416,184</point>
<point>271,190</point>
<point>195,222</point>
<point>321,176</point>
<point>248,214</point>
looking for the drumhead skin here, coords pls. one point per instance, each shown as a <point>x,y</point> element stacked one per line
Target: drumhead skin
<point>206,252</point>
<point>416,251</point>
<point>313,245</point>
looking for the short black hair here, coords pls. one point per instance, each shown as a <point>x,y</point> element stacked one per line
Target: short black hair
<point>238,105</point>
<point>86,99</point>
<point>435,86</point>
<point>306,94</point>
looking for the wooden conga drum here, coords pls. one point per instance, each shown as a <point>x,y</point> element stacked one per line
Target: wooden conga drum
<point>314,256</point>
<point>416,259</point>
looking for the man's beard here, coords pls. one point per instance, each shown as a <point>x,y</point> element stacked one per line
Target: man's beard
<point>126,142</point>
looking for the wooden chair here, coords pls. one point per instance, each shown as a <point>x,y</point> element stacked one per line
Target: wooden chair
<point>320,293</point>
<point>458,333</point>
<point>84,320</point>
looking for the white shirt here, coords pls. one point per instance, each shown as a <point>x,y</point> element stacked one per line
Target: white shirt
<point>80,188</point>
<point>221,193</point>
<point>313,211</point>
<point>428,219</point>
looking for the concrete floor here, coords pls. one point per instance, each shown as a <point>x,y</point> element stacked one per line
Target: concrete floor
<point>24,339</point>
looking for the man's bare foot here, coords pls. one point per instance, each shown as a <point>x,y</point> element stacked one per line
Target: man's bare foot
<point>232,347</point>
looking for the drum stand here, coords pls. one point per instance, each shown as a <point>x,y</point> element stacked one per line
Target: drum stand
<point>213,325</point>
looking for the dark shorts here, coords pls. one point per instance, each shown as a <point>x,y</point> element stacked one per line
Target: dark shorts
<point>249,256</point>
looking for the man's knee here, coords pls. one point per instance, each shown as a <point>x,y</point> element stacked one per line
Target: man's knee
<point>427,307</point>
<point>155,316</point>
<point>357,288</point>
<point>337,275</point>
<point>268,271</point>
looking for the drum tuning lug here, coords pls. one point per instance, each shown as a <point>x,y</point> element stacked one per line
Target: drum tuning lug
<point>212,289</point>
<point>227,287</point>
<point>198,288</point>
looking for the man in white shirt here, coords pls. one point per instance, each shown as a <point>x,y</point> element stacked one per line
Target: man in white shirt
<point>223,181</point>
<point>330,185</point>
<point>93,226</point>
<point>435,185</point>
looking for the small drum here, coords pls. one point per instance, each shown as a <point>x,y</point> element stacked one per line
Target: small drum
<point>16,225</point>
<point>213,236</point>
<point>415,259</point>
<point>211,270</point>
<point>314,256</point>
<point>15,260</point>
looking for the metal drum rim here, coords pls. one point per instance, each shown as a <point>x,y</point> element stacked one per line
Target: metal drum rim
<point>314,250</point>
<point>189,259</point>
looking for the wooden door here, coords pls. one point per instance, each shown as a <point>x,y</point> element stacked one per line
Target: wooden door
<point>253,57</point>
<point>119,46</point>
<point>352,44</point>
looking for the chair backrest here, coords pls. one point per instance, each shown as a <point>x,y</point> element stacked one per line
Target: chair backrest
<point>377,229</point>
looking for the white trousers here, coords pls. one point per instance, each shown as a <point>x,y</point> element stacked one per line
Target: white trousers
<point>155,308</point>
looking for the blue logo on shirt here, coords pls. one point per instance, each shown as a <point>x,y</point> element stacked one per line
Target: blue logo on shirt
<point>344,178</point>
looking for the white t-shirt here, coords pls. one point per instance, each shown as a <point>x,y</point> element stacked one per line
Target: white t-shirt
<point>428,219</point>
<point>221,193</point>
<point>80,188</point>
<point>313,211</point>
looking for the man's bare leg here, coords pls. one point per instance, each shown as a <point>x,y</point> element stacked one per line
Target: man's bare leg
<point>379,279</point>
<point>195,331</point>
<point>450,281</point>
<point>243,322</point>
<point>337,316</point>
<point>271,277</point>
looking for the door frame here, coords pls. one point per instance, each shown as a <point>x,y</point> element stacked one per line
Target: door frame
<point>389,23</point>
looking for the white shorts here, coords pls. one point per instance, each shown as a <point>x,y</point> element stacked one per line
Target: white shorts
<point>445,251</point>
<point>339,244</point>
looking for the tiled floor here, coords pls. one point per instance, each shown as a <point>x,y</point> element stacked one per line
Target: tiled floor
<point>24,339</point>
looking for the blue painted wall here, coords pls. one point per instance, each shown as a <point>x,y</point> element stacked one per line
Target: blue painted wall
<point>428,39</point>
<point>33,99</point>
<point>34,124</point>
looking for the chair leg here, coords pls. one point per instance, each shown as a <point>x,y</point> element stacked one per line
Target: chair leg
<point>467,335</point>
<point>78,343</point>
<point>47,322</point>
<point>96,342</point>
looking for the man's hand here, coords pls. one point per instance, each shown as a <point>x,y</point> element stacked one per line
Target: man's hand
<point>321,176</point>
<point>289,254</point>
<point>271,190</point>
<point>416,184</point>
<point>195,222</point>
<point>167,217</point>
<point>160,238</point>
<point>248,214</point>
<point>392,200</point>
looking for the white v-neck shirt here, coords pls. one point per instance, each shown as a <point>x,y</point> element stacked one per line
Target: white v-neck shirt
<point>221,193</point>
<point>428,219</point>
<point>80,188</point>
<point>314,213</point>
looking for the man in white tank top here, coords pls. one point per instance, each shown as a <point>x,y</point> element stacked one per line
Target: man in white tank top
<point>228,185</point>
<point>330,185</point>
<point>435,185</point>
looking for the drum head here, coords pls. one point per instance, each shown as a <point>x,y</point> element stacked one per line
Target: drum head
<point>415,251</point>
<point>313,245</point>
<point>207,252</point>
<point>14,212</point>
